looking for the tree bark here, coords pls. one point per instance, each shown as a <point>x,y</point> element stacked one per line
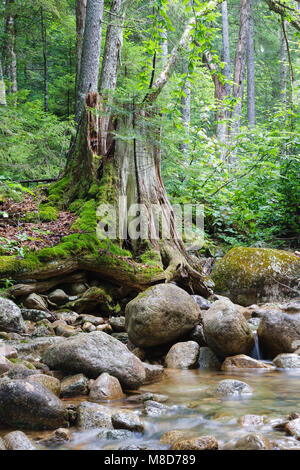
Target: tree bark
<point>186,111</point>
<point>164,45</point>
<point>90,58</point>
<point>2,87</point>
<point>251,69</point>
<point>80,23</point>
<point>45,60</point>
<point>286,11</point>
<point>10,58</point>
<point>226,47</point>
<point>240,64</point>
<point>283,67</point>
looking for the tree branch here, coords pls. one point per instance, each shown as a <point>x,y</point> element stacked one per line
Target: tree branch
<point>282,9</point>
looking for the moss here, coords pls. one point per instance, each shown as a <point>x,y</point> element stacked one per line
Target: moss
<point>47,213</point>
<point>31,217</point>
<point>244,267</point>
<point>76,205</point>
<point>58,192</point>
<point>12,264</point>
<point>151,257</point>
<point>93,191</point>
<point>107,190</point>
<point>87,217</point>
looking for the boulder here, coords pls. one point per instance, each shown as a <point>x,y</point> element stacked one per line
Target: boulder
<point>153,408</point>
<point>117,323</point>
<point>293,428</point>
<point>143,397</point>
<point>277,332</point>
<point>35,315</point>
<point>170,437</point>
<point>241,361</point>
<point>17,440</point>
<point>208,359</point>
<point>10,317</point>
<point>232,388</point>
<point>127,420</point>
<point>252,420</point>
<point>5,365</point>
<point>115,434</point>
<point>2,445</point>
<point>202,303</point>
<point>47,381</point>
<point>8,351</point>
<point>106,387</point>
<point>183,355</point>
<point>35,301</point>
<point>252,441</point>
<point>21,371</point>
<point>30,405</point>
<point>160,315</point>
<point>196,443</point>
<point>287,361</point>
<point>33,348</point>
<point>226,330</point>
<point>253,275</point>
<point>74,385</point>
<point>57,437</point>
<point>154,373</point>
<point>91,415</point>
<point>94,353</point>
<point>58,297</point>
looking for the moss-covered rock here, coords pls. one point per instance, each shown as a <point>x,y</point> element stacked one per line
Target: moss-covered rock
<point>47,213</point>
<point>251,275</point>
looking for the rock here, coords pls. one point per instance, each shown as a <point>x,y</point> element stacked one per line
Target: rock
<point>183,355</point>
<point>153,408</point>
<point>208,359</point>
<point>58,436</point>
<point>115,434</point>
<point>91,415</point>
<point>197,334</point>
<point>88,327</point>
<point>292,307</point>
<point>241,361</point>
<point>74,386</point>
<point>66,331</point>
<point>106,327</point>
<point>94,299</point>
<point>202,303</point>
<point>154,373</point>
<point>94,353</point>
<point>17,440</point>
<point>68,317</point>
<point>276,332</point>
<point>117,323</point>
<point>35,301</point>
<point>197,443</point>
<point>8,352</point>
<point>81,319</point>
<point>32,314</point>
<point>232,388</point>
<point>293,428</point>
<point>33,348</point>
<point>43,328</point>
<point>77,288</point>
<point>287,361</point>
<point>5,365</point>
<point>143,397</point>
<point>2,445</point>
<point>10,317</point>
<point>252,420</point>
<point>127,420</point>
<point>47,381</point>
<point>226,330</point>
<point>252,441</point>
<point>160,315</point>
<point>20,371</point>
<point>106,387</point>
<point>253,275</point>
<point>123,337</point>
<point>58,297</point>
<point>30,405</point>
<point>170,437</point>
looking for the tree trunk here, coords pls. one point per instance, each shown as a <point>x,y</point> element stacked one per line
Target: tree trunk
<point>240,64</point>
<point>45,60</point>
<point>186,111</point>
<point>226,47</point>
<point>251,69</point>
<point>283,67</point>
<point>2,87</point>
<point>90,58</point>
<point>10,59</point>
<point>80,23</point>
<point>164,45</point>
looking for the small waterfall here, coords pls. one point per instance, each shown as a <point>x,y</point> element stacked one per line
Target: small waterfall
<point>255,353</point>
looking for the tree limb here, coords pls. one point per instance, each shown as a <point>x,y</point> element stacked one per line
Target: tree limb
<point>282,9</point>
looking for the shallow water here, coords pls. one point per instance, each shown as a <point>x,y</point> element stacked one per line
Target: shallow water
<point>275,394</point>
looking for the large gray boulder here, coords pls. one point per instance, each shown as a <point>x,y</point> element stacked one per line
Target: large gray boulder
<point>277,332</point>
<point>10,317</point>
<point>160,315</point>
<point>94,353</point>
<point>30,405</point>
<point>17,440</point>
<point>183,355</point>
<point>226,330</point>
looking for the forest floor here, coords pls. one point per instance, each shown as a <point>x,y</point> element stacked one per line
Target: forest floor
<point>17,232</point>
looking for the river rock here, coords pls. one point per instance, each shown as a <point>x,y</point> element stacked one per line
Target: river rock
<point>43,328</point>
<point>115,434</point>
<point>2,445</point>
<point>10,317</point>
<point>33,348</point>
<point>170,437</point>
<point>143,397</point>
<point>127,420</point>
<point>197,334</point>
<point>5,365</point>
<point>253,275</point>
<point>34,315</point>
<point>8,351</point>
<point>91,415</point>
<point>232,388</point>
<point>226,330</point>
<point>84,318</point>
<point>293,428</point>
<point>241,361</point>
<point>94,353</point>
<point>106,387</point>
<point>57,437</point>
<point>252,441</point>
<point>252,420</point>
<point>117,323</point>
<point>196,443</point>
<point>58,297</point>
<point>277,332</point>
<point>21,371</point>
<point>183,355</point>
<point>287,361</point>
<point>160,315</point>
<point>202,303</point>
<point>74,385</point>
<point>30,405</point>
<point>47,381</point>
<point>154,373</point>
<point>35,301</point>
<point>68,316</point>
<point>153,408</point>
<point>208,359</point>
<point>17,440</point>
